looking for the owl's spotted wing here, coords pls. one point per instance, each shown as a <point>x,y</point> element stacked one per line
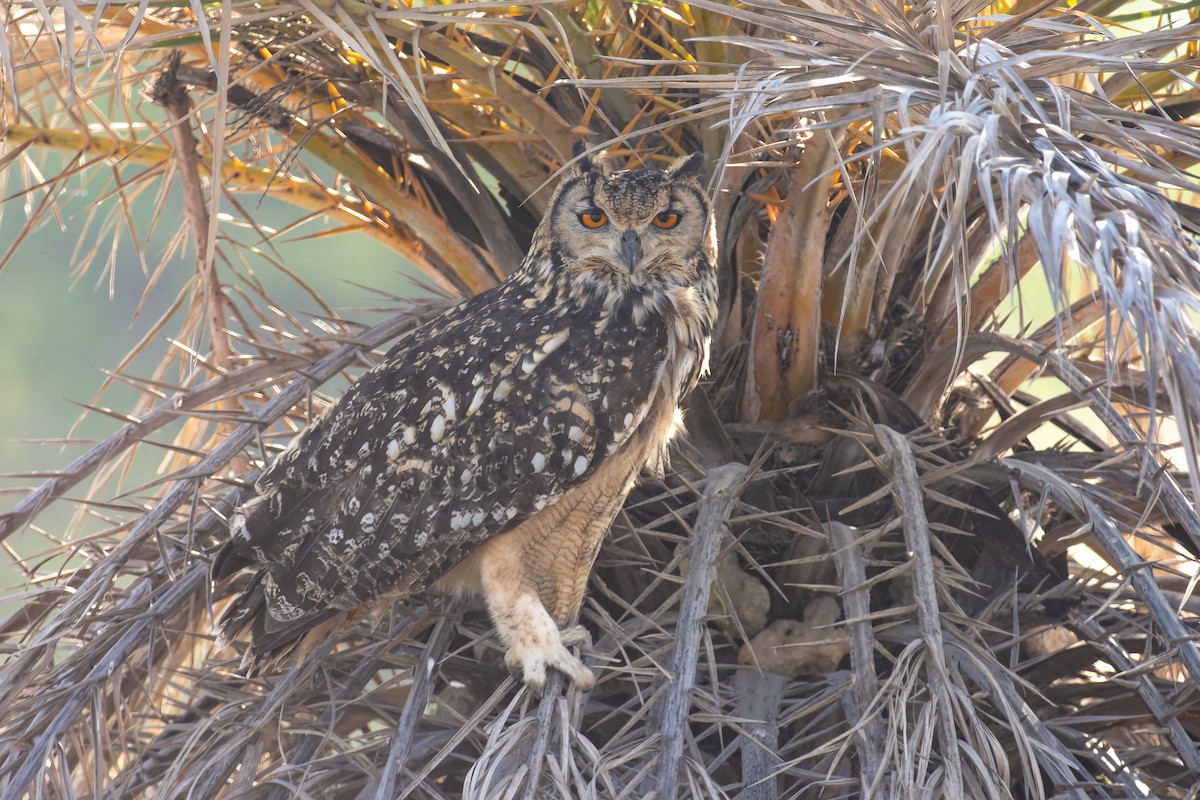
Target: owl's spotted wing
<point>472,424</point>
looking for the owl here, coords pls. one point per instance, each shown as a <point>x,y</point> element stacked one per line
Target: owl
<point>491,449</point>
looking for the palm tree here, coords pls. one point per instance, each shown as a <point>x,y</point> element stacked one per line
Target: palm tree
<point>932,532</point>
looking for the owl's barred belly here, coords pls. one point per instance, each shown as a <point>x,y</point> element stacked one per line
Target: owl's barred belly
<point>554,552</point>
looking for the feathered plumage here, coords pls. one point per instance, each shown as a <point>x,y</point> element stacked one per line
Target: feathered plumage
<point>483,419</point>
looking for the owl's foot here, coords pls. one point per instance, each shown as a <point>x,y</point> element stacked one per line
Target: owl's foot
<point>532,664</point>
<point>535,645</point>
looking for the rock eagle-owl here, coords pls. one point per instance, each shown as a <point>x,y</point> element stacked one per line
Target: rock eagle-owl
<point>491,449</point>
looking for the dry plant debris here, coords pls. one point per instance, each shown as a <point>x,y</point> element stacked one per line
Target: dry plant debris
<point>933,531</point>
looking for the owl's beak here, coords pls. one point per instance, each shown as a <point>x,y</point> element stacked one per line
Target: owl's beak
<point>631,249</point>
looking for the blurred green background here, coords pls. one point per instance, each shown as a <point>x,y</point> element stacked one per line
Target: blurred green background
<point>69,311</point>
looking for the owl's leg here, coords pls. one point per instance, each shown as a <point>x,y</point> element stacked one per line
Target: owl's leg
<point>532,639</point>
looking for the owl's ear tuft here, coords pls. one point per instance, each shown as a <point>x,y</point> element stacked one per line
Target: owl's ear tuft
<point>599,163</point>
<point>687,166</point>
<point>583,162</point>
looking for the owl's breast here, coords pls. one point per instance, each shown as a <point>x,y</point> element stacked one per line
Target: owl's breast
<point>654,347</point>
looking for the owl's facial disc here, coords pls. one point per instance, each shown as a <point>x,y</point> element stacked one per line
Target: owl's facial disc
<point>640,224</point>
<point>623,241</point>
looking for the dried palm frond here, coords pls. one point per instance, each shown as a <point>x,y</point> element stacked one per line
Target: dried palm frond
<point>933,530</point>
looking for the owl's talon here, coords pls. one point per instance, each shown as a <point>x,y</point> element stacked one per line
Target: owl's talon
<point>531,659</point>
<point>576,636</point>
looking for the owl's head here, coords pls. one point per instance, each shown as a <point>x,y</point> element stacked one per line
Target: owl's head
<point>631,228</point>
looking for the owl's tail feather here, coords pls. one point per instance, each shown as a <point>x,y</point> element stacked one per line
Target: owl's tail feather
<point>270,640</point>
<point>227,562</point>
<point>248,605</point>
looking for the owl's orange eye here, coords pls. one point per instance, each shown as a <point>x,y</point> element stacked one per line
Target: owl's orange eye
<point>666,219</point>
<point>593,219</point>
